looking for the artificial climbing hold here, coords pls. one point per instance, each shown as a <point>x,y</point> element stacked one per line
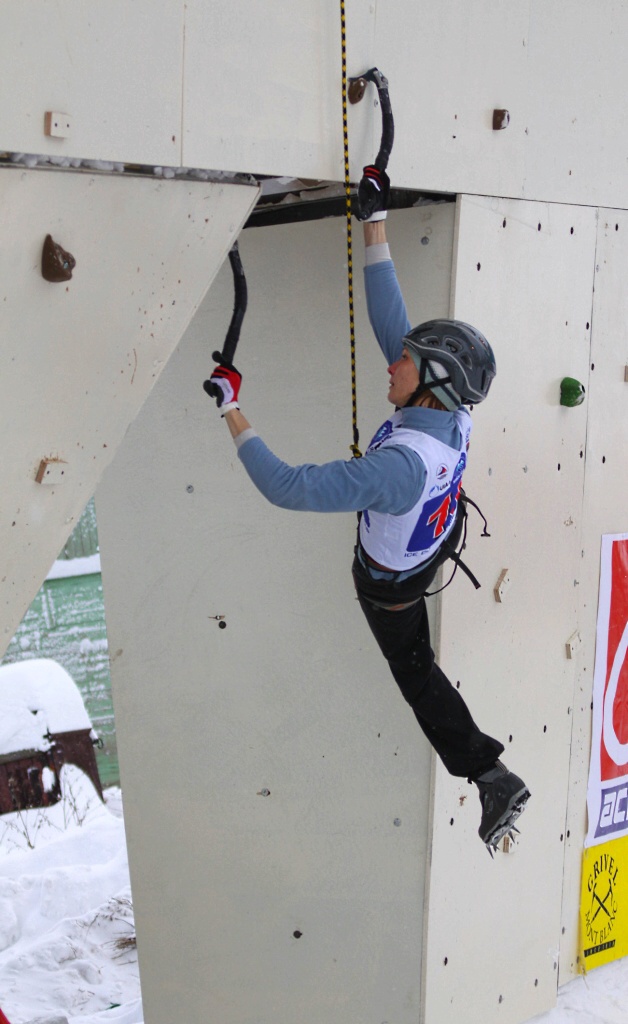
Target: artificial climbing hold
<point>501,120</point>
<point>571,392</point>
<point>56,264</point>
<point>356,90</point>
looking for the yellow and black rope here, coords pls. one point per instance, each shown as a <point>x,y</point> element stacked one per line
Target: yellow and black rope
<point>345,133</point>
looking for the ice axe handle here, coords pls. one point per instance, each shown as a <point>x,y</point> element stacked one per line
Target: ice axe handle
<point>380,82</point>
<point>239,306</point>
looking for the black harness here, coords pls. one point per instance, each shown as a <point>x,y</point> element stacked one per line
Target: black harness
<point>390,592</point>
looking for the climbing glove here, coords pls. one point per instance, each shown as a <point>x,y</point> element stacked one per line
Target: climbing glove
<point>224,384</point>
<point>373,194</point>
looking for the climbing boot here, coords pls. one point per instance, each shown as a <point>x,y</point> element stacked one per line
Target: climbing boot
<point>503,796</point>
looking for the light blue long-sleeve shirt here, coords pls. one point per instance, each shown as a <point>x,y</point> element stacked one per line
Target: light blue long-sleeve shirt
<point>388,480</point>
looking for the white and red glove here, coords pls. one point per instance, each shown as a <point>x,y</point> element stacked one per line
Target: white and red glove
<point>224,385</point>
<point>373,194</point>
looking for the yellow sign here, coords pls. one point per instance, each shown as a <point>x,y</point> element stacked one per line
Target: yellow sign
<point>604,904</point>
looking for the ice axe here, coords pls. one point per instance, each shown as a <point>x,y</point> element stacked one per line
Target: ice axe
<point>226,357</point>
<point>374,187</point>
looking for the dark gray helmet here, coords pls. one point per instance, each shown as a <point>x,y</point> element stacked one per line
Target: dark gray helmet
<point>461,350</point>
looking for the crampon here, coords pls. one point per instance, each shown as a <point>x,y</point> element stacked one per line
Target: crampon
<point>503,796</point>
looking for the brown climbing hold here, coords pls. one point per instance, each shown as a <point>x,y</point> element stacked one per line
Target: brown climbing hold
<point>357,87</point>
<point>501,120</point>
<point>56,263</point>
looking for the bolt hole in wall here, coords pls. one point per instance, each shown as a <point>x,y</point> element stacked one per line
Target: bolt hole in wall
<point>66,622</point>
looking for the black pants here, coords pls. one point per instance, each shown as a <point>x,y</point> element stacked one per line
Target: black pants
<point>404,639</point>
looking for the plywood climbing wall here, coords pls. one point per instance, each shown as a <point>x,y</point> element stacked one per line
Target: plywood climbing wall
<point>604,512</point>
<point>524,274</point>
<point>81,355</point>
<point>276,785</point>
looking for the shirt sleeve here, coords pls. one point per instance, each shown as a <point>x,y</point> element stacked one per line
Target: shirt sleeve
<point>386,308</point>
<point>388,480</point>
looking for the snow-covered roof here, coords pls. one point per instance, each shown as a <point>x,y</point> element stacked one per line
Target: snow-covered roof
<point>37,696</point>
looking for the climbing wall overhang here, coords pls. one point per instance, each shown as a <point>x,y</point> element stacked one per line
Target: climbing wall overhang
<point>81,354</point>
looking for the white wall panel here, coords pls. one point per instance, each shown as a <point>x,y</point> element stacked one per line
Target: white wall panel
<point>267,100</point>
<point>524,275</point>
<point>449,65</point>
<point>79,358</point>
<point>115,68</point>
<point>575,117</point>
<point>241,86</point>
<point>558,68</point>
<point>293,695</point>
<point>262,88</point>
<point>604,512</point>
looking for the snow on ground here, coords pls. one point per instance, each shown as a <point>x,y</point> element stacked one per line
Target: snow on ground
<point>67,938</point>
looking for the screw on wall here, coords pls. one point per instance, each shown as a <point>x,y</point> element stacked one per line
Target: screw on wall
<point>220,619</point>
<point>56,264</point>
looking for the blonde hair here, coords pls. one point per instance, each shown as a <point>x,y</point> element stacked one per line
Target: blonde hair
<point>429,401</point>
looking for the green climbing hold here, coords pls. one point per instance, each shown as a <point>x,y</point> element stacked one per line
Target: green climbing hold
<point>571,392</point>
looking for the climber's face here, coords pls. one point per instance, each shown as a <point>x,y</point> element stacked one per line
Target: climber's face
<point>404,379</point>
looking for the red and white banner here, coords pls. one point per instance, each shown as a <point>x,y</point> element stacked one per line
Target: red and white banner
<point>607,798</point>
